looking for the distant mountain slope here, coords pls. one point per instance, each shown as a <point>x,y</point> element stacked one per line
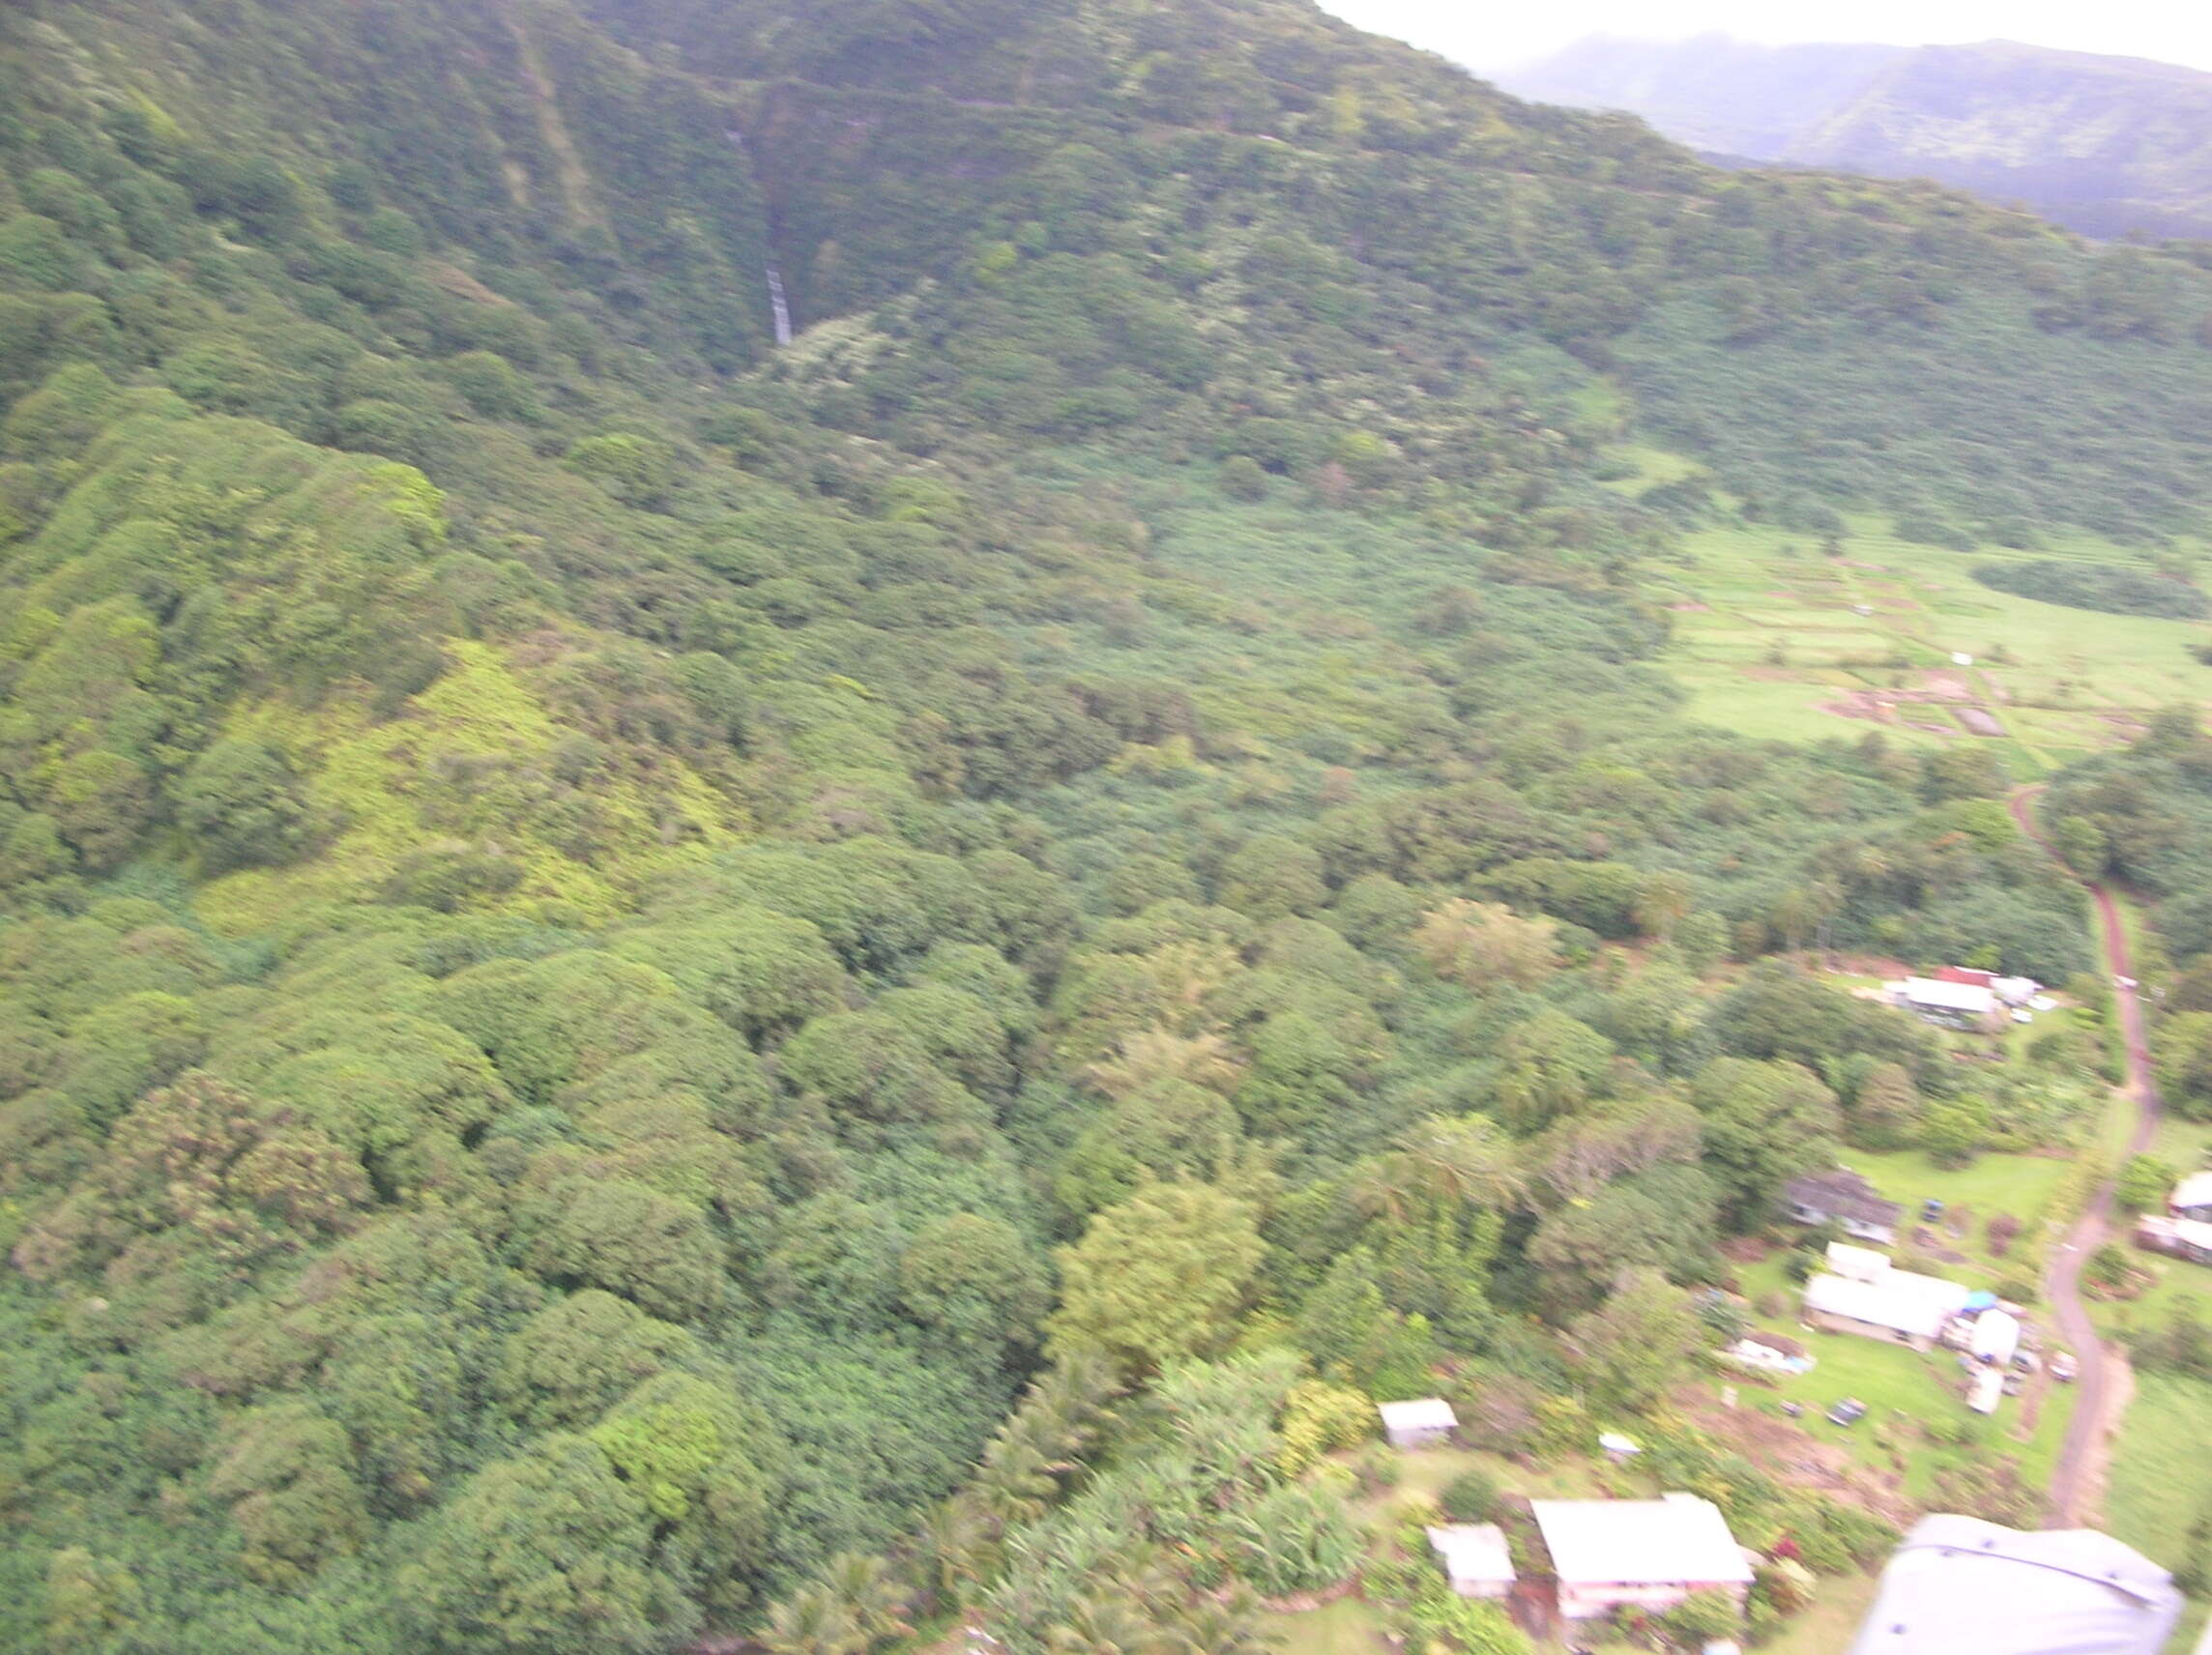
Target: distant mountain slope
<point>2104,145</point>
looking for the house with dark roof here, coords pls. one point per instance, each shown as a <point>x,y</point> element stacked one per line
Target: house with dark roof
<point>1845,1198</point>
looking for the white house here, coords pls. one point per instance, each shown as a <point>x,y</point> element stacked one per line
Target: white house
<point>1959,1004</point>
<point>1420,1423</point>
<point>1475,1558</point>
<point>1653,1554</point>
<point>2191,1198</point>
<point>1891,1304</point>
<point>2184,1238</point>
<point>1845,1199</point>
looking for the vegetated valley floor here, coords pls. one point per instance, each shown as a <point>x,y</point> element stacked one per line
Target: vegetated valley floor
<point>1776,638</point>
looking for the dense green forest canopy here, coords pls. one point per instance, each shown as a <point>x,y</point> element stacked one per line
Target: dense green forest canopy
<point>615,935</point>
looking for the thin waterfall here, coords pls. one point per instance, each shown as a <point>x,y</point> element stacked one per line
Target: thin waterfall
<point>777,304</point>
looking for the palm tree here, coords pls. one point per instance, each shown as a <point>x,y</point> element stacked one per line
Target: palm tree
<point>1212,1626</point>
<point>1107,1625</point>
<point>1442,1163</point>
<point>876,1598</point>
<point>957,1539</point>
<point>813,1621</point>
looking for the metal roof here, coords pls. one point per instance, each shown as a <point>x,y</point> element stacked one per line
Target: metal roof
<point>1674,1539</point>
<point>1427,1414</point>
<point>2194,1190</point>
<point>1472,1552</point>
<point>1899,1299</point>
<point>1974,997</point>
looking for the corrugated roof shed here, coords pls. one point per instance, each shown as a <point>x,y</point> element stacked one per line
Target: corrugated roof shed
<point>1474,1554</point>
<point>1914,1304</point>
<point>1427,1414</point>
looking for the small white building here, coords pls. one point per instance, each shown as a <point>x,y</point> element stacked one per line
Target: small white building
<point>1771,1353</point>
<point>1475,1558</point>
<point>1984,1389</point>
<point>1996,1337</point>
<point>1420,1423</point>
<point>1653,1554</point>
<point>1856,1264</point>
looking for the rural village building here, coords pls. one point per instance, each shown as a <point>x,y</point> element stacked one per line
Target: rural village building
<point>1475,1558</point>
<point>1842,1198</point>
<point>2182,1238</point>
<point>1651,1553</point>
<point>1771,1353</point>
<point>2192,1199</point>
<point>1866,1294</point>
<point>1420,1423</point>
<point>1954,1004</point>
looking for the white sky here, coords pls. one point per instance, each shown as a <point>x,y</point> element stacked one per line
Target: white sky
<point>1503,36</point>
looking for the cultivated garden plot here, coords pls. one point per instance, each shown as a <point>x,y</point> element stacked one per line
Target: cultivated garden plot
<point>1805,637</point>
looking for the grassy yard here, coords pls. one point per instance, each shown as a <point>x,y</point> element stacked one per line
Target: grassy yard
<point>2161,1473</point>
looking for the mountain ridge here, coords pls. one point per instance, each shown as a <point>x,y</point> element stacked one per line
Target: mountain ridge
<point>2111,146</point>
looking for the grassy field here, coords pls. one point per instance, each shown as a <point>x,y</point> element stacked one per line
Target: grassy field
<point>2162,1474</point>
<point>1776,639</point>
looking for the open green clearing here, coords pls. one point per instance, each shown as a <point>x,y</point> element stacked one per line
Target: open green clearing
<point>2162,1472</point>
<point>1776,637</point>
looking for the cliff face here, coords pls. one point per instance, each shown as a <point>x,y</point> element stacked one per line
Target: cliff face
<point>2104,145</point>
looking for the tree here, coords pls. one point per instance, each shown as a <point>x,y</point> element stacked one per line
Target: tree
<point>706,1465</point>
<point>1885,1113</point>
<point>288,1474</point>
<point>974,1280</point>
<point>1480,944</point>
<point>2184,1049</point>
<point>1636,1347</point>
<point>1954,1130</point>
<point>1765,1123</point>
<point>617,1233</point>
<point>1665,1219</point>
<point>1270,876</point>
<point>2143,1183</point>
<point>548,1553</point>
<point>1158,1277</point>
<point>573,1360</point>
<point>1553,1064</point>
<point>91,1602</point>
<point>1438,1165</point>
<point>242,803</point>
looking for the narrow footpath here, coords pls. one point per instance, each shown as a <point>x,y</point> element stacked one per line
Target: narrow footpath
<point>2078,1473</point>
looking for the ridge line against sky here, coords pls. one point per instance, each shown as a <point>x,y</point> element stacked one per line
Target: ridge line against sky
<point>1487,40</point>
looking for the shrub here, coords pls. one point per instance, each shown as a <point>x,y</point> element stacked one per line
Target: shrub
<point>1242,477</point>
<point>1470,1496</point>
<point>2111,588</point>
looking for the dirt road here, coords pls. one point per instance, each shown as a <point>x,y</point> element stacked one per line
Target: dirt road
<point>2079,1472</point>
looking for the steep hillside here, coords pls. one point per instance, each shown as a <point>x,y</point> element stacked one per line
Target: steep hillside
<point>2111,146</point>
<point>614,936</point>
